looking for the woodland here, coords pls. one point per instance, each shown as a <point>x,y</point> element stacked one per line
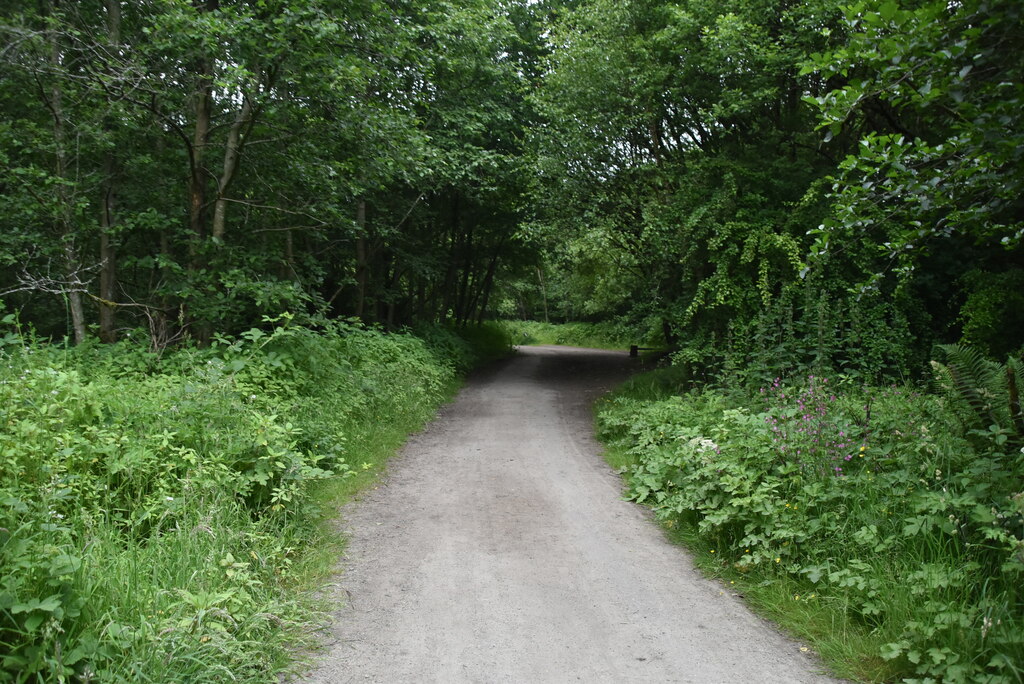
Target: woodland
<point>240,238</point>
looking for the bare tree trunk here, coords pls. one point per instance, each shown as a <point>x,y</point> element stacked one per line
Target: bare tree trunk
<point>197,183</point>
<point>462,313</point>
<point>449,286</point>
<point>232,153</point>
<point>289,255</point>
<point>200,137</point>
<point>74,294</point>
<point>391,308</point>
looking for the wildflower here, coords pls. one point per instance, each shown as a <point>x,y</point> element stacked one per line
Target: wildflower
<point>778,559</point>
<point>712,550</point>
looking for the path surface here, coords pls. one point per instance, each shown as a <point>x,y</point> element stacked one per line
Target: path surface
<point>499,550</point>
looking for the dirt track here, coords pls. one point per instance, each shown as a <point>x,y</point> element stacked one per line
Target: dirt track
<point>499,550</point>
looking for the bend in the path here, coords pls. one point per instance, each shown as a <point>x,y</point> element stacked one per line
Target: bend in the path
<point>499,550</point>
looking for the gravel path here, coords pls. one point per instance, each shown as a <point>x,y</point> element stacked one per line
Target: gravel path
<point>499,549</point>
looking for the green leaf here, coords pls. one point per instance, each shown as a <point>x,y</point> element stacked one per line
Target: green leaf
<point>33,621</point>
<point>891,651</point>
<point>48,605</point>
<point>64,565</point>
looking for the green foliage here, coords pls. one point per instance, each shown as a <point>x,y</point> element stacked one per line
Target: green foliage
<point>155,511</point>
<point>489,341</point>
<point>607,335</point>
<point>192,167</point>
<point>985,394</point>
<point>787,188</point>
<point>871,500</point>
<point>993,312</point>
<point>951,166</point>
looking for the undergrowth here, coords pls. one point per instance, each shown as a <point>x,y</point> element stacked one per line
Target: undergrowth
<point>161,517</point>
<point>579,334</point>
<point>881,524</point>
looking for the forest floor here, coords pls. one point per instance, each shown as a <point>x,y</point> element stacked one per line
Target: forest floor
<point>498,549</point>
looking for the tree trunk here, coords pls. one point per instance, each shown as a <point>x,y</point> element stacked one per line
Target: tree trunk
<point>468,278</point>
<point>393,282</point>
<point>72,287</point>
<point>200,137</point>
<point>485,294</point>
<point>289,256</point>
<point>108,267</point>
<point>543,293</point>
<point>362,260</point>
<point>108,256</point>
<point>448,286</point>
<point>232,152</point>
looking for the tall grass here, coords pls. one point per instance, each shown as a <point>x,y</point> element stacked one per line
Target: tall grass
<point>161,518</point>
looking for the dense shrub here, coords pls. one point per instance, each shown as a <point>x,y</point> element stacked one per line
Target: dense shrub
<point>152,509</point>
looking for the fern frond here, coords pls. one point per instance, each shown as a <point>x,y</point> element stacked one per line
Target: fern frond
<point>975,381</point>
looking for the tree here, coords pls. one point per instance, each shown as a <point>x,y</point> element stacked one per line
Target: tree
<point>932,93</point>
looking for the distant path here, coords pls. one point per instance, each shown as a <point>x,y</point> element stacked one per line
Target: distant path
<point>499,550</point>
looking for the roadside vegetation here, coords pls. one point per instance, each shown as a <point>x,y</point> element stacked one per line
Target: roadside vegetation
<point>883,524</point>
<point>162,516</point>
